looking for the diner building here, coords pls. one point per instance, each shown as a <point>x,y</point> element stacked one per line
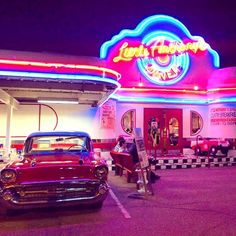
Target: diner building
<point>157,77</point>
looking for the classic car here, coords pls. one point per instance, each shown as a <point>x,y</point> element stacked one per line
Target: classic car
<point>210,146</point>
<point>56,168</point>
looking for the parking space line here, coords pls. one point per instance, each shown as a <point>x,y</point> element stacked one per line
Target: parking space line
<point>122,208</point>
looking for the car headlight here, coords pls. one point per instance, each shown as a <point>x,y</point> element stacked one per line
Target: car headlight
<point>8,176</point>
<point>101,172</point>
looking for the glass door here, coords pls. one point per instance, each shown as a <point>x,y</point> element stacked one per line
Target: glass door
<point>163,131</point>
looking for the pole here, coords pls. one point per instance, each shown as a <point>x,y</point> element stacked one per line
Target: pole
<point>8,130</point>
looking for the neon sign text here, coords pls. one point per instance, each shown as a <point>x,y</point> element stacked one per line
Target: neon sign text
<point>159,48</point>
<point>170,73</point>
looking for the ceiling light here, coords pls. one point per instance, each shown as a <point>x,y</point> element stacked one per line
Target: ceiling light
<point>58,101</point>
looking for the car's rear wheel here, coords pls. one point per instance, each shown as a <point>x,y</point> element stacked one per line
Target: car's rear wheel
<point>224,150</point>
<point>213,150</point>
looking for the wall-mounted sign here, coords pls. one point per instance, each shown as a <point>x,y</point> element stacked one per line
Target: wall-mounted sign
<point>160,48</point>
<point>222,120</point>
<point>107,116</point>
<point>223,116</point>
<point>160,60</point>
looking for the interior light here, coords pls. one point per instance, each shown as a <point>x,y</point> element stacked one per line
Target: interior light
<point>55,101</point>
<point>195,87</point>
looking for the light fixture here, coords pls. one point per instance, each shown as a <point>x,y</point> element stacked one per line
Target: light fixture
<point>140,84</point>
<point>58,101</point>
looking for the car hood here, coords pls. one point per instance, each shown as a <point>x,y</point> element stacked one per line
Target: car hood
<point>60,167</point>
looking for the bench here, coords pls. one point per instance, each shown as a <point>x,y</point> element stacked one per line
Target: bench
<point>124,161</point>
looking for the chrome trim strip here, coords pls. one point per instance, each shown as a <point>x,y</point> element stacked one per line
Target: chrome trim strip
<point>59,200</point>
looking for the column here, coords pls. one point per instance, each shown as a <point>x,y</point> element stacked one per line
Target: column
<point>8,129</point>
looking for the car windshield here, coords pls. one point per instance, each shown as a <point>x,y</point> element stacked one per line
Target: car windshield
<point>47,144</point>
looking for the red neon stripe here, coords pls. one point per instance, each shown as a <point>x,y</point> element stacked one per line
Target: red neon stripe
<point>57,67</point>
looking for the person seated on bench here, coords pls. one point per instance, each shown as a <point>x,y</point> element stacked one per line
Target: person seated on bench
<point>132,150</point>
<point>121,145</point>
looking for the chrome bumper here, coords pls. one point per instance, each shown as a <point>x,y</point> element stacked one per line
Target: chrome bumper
<point>30,195</point>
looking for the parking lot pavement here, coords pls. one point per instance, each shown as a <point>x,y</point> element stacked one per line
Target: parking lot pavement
<point>199,201</point>
<point>186,202</point>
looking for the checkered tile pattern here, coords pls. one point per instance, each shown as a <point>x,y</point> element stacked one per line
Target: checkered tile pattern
<point>182,163</point>
<point>193,162</point>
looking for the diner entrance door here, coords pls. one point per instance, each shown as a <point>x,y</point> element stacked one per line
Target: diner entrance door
<point>163,131</point>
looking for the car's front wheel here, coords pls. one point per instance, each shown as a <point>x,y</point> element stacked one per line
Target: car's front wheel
<point>197,151</point>
<point>97,206</point>
<point>5,211</point>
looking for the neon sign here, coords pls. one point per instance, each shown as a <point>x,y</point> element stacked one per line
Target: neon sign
<point>161,47</point>
<point>160,69</point>
<point>163,68</point>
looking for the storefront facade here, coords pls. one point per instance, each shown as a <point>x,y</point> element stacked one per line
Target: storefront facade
<point>157,77</point>
<point>173,84</point>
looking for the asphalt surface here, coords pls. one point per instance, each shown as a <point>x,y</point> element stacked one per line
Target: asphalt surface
<point>185,202</point>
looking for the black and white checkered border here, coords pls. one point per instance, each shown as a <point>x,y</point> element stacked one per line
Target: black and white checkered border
<point>185,163</point>
<point>162,164</point>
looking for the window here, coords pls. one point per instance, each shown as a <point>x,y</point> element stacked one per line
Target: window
<point>128,121</point>
<point>196,123</point>
<point>51,144</point>
<point>174,131</point>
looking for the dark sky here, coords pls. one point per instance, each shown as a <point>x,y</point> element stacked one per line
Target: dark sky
<point>80,27</point>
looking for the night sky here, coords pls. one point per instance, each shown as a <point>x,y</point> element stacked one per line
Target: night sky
<point>80,27</point>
